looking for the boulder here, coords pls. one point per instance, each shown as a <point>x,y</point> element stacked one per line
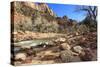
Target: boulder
<point>66,56</point>
<point>20,56</point>
<point>78,49</point>
<point>65,46</point>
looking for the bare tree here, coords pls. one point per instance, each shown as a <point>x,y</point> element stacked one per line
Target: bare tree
<point>91,16</point>
<point>91,11</point>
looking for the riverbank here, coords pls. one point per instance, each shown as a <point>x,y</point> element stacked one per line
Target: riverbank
<point>27,35</point>
<point>62,49</point>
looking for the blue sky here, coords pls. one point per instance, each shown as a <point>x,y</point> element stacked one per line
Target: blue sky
<point>68,10</point>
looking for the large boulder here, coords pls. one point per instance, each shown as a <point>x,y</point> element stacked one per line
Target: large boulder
<point>78,49</point>
<point>65,46</point>
<point>66,56</point>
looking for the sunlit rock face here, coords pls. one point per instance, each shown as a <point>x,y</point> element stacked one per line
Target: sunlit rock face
<point>25,14</point>
<point>40,7</point>
<point>34,6</point>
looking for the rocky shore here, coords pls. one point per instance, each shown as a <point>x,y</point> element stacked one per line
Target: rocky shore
<point>27,35</point>
<point>73,48</point>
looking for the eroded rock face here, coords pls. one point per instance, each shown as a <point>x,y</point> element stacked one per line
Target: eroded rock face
<point>29,16</point>
<point>34,6</point>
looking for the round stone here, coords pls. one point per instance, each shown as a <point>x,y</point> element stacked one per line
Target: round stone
<point>78,49</point>
<point>65,46</point>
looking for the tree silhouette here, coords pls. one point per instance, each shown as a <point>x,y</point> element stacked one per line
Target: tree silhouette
<point>91,12</point>
<point>91,17</point>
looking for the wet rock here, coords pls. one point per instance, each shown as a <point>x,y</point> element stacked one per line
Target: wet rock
<point>65,46</point>
<point>43,44</point>
<point>78,49</point>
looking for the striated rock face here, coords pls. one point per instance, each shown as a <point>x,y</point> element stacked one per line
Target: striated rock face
<point>40,7</point>
<point>33,6</point>
<point>29,16</point>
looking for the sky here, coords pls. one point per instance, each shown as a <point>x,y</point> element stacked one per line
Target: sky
<point>68,10</point>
